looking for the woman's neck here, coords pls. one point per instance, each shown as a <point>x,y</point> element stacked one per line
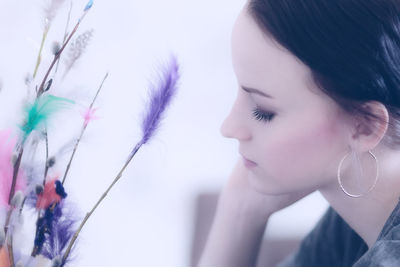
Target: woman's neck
<point>368,214</point>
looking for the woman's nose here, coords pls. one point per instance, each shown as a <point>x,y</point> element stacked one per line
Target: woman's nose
<point>235,125</point>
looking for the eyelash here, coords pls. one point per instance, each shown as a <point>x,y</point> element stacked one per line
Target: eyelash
<point>261,115</point>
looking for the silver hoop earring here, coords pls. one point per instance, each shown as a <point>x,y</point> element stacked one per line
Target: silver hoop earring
<point>340,179</point>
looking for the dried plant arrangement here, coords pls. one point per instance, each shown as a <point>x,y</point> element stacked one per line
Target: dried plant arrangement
<point>24,188</point>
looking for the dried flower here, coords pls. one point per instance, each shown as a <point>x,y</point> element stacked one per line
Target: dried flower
<point>77,48</point>
<point>28,79</point>
<point>51,9</point>
<point>17,199</point>
<point>55,48</point>
<point>55,232</point>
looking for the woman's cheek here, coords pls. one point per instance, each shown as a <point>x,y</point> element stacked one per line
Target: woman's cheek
<point>301,153</point>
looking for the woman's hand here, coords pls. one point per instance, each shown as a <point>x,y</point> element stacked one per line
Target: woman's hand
<point>239,194</point>
<point>240,221</point>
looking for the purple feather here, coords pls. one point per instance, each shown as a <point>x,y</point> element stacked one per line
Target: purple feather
<point>62,230</point>
<point>43,228</point>
<point>160,97</point>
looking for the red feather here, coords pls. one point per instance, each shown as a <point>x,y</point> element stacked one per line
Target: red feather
<point>48,196</point>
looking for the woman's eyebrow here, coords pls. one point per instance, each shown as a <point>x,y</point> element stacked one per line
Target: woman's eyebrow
<point>255,91</point>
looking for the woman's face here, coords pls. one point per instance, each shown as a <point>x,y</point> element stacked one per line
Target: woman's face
<point>293,133</point>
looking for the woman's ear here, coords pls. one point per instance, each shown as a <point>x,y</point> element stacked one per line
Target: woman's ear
<point>369,131</point>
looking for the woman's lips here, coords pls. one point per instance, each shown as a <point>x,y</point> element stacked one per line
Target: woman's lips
<point>248,163</point>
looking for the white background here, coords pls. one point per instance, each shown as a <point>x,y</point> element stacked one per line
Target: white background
<point>148,218</point>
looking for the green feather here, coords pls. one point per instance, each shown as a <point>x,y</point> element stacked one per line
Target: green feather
<point>38,112</point>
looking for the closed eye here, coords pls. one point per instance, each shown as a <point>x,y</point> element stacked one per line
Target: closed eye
<point>261,115</point>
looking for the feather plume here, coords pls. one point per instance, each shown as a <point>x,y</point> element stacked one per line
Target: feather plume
<point>88,5</point>
<point>160,97</point>
<point>41,230</point>
<point>40,111</point>
<point>88,115</point>
<point>62,231</point>
<point>52,193</point>
<point>7,145</point>
<point>44,227</point>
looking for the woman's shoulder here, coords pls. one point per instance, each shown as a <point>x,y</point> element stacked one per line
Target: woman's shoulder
<point>386,250</point>
<point>332,242</point>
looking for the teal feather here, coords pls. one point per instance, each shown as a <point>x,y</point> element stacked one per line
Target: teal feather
<point>38,112</point>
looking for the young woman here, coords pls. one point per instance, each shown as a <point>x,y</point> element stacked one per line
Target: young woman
<point>317,108</point>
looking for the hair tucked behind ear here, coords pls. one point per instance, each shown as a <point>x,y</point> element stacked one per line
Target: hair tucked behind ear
<point>351,46</point>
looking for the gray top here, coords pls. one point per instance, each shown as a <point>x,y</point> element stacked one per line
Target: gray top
<point>334,243</point>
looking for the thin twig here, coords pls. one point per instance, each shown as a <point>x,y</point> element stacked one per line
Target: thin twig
<point>12,191</point>
<point>72,155</point>
<point>82,130</point>
<point>22,205</point>
<point>65,32</point>
<point>15,174</point>
<point>57,56</point>
<point>11,252</point>
<point>46,168</point>
<point>98,90</point>
<point>21,208</point>
<point>75,236</point>
<point>10,211</point>
<point>39,58</point>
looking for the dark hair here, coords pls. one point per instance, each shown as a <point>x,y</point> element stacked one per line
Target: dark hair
<point>351,46</point>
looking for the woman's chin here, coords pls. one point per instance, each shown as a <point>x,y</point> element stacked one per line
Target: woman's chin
<point>265,185</point>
